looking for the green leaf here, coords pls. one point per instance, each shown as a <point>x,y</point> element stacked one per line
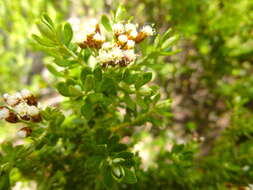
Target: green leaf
<point>108,180</point>
<point>46,31</point>
<point>67,33</point>
<point>165,36</point>
<point>142,79</point>
<point>169,42</point>
<point>89,83</point>
<point>46,19</point>
<point>65,63</point>
<point>106,23</point>
<point>43,41</point>
<point>120,13</point>
<point>54,71</point>
<point>129,102</point>
<point>118,147</point>
<point>93,162</point>
<point>98,73</point>
<point>130,176</point>
<point>85,71</point>
<point>4,181</point>
<point>63,89</point>
<point>147,77</point>
<point>118,173</point>
<point>108,85</point>
<point>68,90</point>
<point>87,110</point>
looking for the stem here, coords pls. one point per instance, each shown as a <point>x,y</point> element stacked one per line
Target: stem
<point>73,54</point>
<point>134,122</point>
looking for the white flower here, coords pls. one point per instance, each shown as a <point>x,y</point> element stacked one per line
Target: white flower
<point>79,37</point>
<point>21,109</point>
<point>93,22</point>
<point>133,34</point>
<point>33,111</point>
<point>13,99</point>
<point>130,44</point>
<point>122,39</point>
<point>130,54</point>
<point>90,30</point>
<point>130,27</point>
<point>25,93</point>
<point>118,28</point>
<point>21,133</point>
<point>116,53</point>
<point>98,37</point>
<point>104,56</point>
<point>4,113</point>
<point>5,96</point>
<point>148,30</point>
<point>107,46</point>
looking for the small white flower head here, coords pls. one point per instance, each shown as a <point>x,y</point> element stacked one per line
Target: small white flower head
<point>130,27</point>
<point>130,55</point>
<point>107,45</point>
<point>12,100</point>
<point>33,111</point>
<point>116,53</point>
<point>118,28</point>
<point>5,96</point>
<point>79,37</point>
<point>21,109</point>
<point>90,27</point>
<point>130,44</point>
<point>75,23</point>
<point>90,30</point>
<point>25,93</point>
<point>21,133</point>
<point>98,37</point>
<point>93,22</point>
<point>104,56</point>
<point>122,39</point>
<point>4,113</point>
<point>148,30</point>
<point>133,34</point>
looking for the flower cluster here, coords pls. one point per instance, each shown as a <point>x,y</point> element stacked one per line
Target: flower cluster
<point>88,35</point>
<point>20,106</point>
<point>119,51</point>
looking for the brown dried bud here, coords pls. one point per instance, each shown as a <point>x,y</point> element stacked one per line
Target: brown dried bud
<point>140,37</point>
<point>32,100</point>
<point>36,118</point>
<point>12,118</point>
<point>24,132</point>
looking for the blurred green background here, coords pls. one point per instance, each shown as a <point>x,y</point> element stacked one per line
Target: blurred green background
<point>210,81</point>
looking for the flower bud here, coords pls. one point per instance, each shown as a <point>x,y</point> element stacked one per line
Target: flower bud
<point>13,100</point>
<point>4,112</point>
<point>33,111</point>
<point>25,93</point>
<point>107,46</point>
<point>24,132</point>
<point>98,38</point>
<point>122,39</point>
<point>118,29</point>
<point>130,27</point>
<point>148,30</point>
<point>130,44</point>
<point>12,118</point>
<point>133,34</point>
<point>144,33</point>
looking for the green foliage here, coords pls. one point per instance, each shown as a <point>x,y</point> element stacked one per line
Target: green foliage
<point>178,117</point>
